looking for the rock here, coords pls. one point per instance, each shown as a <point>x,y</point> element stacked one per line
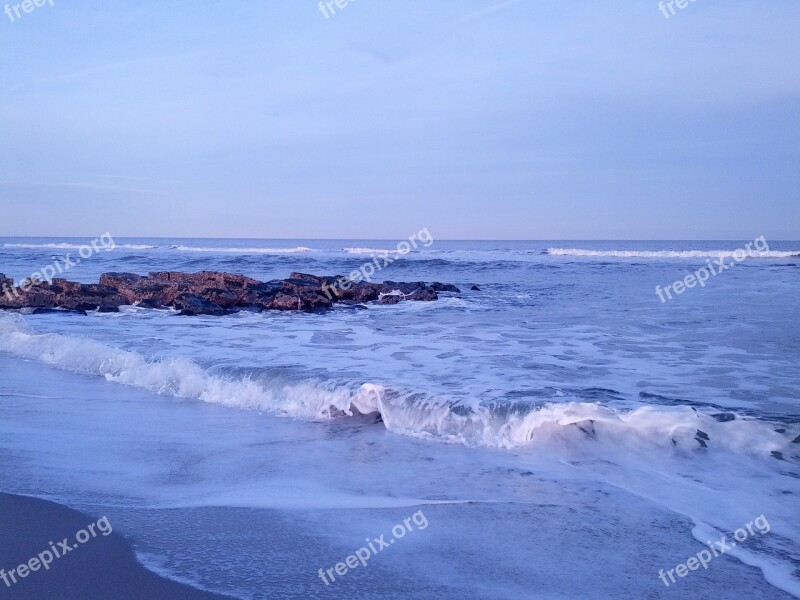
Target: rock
<point>35,296</point>
<point>191,305</point>
<point>424,294</point>
<point>315,278</point>
<point>86,297</point>
<point>365,292</point>
<point>403,288</point>
<point>62,286</point>
<point>116,280</point>
<point>444,287</point>
<point>283,301</point>
<point>358,292</point>
<point>313,300</point>
<point>211,293</point>
<point>162,294</point>
<point>475,288</point>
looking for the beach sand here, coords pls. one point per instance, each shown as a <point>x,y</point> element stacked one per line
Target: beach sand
<point>103,568</point>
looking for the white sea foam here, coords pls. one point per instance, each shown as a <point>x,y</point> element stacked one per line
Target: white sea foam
<point>402,412</point>
<point>652,451</point>
<point>256,250</point>
<point>669,253</point>
<point>371,251</point>
<point>182,377</point>
<point>69,246</point>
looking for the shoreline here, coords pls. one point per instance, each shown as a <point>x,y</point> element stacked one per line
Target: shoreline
<point>103,567</point>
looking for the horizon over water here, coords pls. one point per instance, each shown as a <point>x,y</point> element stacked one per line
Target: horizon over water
<point>562,406</point>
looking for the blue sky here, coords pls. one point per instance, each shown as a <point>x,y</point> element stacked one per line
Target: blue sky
<point>518,119</point>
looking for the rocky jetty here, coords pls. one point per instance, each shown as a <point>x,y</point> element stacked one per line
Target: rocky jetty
<point>209,293</point>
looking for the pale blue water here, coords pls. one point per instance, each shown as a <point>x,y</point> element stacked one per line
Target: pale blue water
<point>555,413</point>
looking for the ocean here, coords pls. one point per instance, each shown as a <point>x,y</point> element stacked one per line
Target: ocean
<point>566,430</point>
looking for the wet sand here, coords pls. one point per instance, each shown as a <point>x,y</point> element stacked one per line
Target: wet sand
<point>102,568</point>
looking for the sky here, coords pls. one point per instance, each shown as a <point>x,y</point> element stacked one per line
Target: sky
<point>478,119</point>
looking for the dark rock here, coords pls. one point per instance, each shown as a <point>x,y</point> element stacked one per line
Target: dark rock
<point>221,297</point>
<point>211,293</point>
<point>404,288</point>
<point>191,305</point>
<point>316,278</point>
<point>86,297</point>
<point>358,292</point>
<point>34,296</point>
<point>283,301</point>
<point>116,280</point>
<point>475,288</point>
<point>260,296</point>
<point>424,294</point>
<point>409,291</point>
<point>444,287</point>
<point>162,294</point>
<point>148,303</point>
<point>314,300</point>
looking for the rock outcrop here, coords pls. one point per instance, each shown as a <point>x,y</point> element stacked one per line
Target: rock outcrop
<point>210,293</point>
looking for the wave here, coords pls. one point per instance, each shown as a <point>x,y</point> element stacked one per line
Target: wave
<point>499,425</point>
<point>670,253</point>
<point>68,246</point>
<point>242,250</point>
<point>371,251</point>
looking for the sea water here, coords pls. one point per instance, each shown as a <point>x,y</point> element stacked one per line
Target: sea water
<point>565,432</point>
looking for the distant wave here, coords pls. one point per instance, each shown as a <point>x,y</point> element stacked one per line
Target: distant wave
<point>242,250</point>
<point>407,412</point>
<point>370,251</point>
<point>67,246</point>
<point>668,253</point>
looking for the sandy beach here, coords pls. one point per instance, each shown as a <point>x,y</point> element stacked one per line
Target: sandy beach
<point>102,568</point>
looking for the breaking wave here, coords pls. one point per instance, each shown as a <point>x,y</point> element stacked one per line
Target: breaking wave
<point>370,251</point>
<point>670,253</point>
<point>294,250</point>
<point>500,425</point>
<point>70,246</point>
